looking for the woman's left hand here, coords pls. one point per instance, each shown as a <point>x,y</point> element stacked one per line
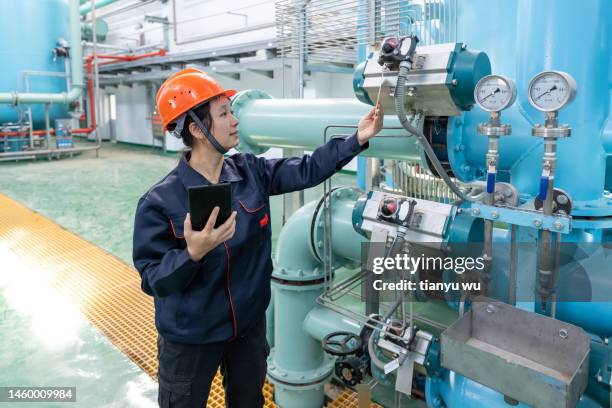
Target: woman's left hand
<point>370,124</point>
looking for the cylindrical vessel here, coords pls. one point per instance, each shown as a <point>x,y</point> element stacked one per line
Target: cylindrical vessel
<point>536,36</point>
<point>25,50</point>
<point>545,41</point>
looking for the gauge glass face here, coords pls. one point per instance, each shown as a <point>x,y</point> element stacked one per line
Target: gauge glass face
<point>549,91</point>
<point>494,93</point>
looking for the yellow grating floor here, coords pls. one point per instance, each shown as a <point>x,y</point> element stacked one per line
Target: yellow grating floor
<point>348,399</point>
<point>105,289</point>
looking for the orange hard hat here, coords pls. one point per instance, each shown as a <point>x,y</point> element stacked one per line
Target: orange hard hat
<point>184,91</point>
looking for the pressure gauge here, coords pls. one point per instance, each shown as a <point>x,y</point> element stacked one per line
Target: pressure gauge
<point>550,91</point>
<point>494,93</point>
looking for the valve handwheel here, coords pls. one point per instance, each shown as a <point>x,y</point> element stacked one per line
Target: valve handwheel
<point>342,343</point>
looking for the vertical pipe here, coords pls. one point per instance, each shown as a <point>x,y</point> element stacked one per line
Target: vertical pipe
<point>30,118</point>
<point>96,78</point>
<point>76,50</point>
<point>549,165</point>
<point>47,126</point>
<point>512,269</point>
<point>555,276</point>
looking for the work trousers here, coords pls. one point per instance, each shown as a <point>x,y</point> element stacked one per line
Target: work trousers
<point>186,371</point>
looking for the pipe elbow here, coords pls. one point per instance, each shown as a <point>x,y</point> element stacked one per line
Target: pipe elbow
<point>293,251</point>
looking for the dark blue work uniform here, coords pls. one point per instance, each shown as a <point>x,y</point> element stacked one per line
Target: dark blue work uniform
<point>221,300</point>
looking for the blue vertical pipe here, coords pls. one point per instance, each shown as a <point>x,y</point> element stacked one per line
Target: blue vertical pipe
<point>361,57</point>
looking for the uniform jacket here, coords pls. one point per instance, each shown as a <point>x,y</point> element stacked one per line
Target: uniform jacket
<point>228,291</point>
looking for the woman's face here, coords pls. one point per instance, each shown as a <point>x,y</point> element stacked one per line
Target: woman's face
<point>224,124</point>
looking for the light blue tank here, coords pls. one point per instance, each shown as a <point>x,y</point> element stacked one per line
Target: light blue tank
<point>30,49</point>
<point>529,37</point>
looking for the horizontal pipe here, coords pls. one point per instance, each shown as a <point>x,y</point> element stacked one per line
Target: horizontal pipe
<point>50,151</point>
<point>86,8</point>
<point>107,46</point>
<point>26,133</point>
<point>301,123</point>
<point>16,98</point>
<point>4,159</point>
<point>322,321</point>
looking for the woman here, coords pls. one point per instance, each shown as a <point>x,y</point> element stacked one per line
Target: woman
<point>212,287</point>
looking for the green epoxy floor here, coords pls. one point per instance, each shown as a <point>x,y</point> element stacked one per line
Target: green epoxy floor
<point>50,343</point>
<point>96,197</point>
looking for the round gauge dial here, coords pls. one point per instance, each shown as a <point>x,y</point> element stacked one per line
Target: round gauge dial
<point>494,93</point>
<point>551,90</point>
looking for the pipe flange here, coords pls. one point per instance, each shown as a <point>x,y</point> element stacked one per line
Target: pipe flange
<point>298,278</point>
<point>317,229</point>
<point>551,132</point>
<point>239,101</point>
<point>486,129</point>
<point>506,195</point>
<point>302,379</point>
<point>562,202</point>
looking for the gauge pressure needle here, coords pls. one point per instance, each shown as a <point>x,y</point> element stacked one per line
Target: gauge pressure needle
<point>549,91</point>
<point>491,94</point>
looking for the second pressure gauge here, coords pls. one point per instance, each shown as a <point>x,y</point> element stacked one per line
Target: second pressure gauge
<point>551,90</point>
<point>494,93</point>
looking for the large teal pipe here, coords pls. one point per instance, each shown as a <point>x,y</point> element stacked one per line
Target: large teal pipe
<point>301,123</point>
<point>297,365</point>
<point>86,8</point>
<point>76,69</point>
<point>321,321</point>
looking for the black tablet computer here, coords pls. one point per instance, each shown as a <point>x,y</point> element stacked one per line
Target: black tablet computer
<point>203,199</point>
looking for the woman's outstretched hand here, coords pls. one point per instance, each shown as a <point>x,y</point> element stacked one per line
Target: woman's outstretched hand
<point>199,243</point>
<point>370,124</point>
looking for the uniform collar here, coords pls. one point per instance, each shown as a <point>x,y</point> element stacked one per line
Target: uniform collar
<point>192,178</point>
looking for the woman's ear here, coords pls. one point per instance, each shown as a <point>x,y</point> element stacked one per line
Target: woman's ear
<point>196,131</point>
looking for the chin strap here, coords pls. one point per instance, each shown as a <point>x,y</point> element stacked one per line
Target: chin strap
<point>206,132</point>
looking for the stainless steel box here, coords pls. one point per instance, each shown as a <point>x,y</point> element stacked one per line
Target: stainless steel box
<point>532,358</point>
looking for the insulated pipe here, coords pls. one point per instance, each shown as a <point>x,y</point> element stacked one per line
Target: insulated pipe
<point>86,8</point>
<point>300,124</point>
<point>76,69</point>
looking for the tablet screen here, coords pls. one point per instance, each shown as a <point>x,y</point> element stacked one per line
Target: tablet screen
<point>203,199</point>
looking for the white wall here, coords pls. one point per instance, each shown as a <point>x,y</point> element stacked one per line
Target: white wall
<point>133,123</point>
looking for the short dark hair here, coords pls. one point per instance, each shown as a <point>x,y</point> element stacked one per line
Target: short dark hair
<point>202,112</point>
